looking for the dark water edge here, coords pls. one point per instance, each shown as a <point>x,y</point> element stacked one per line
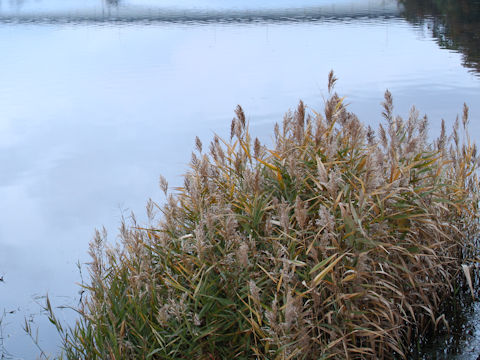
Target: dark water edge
<point>461,339</point>
<point>454,23</point>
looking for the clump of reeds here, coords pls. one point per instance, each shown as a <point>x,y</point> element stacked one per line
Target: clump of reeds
<point>335,243</point>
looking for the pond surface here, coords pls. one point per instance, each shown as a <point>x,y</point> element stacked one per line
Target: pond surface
<point>98,98</point>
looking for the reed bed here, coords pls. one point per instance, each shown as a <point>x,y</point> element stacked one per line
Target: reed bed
<point>336,243</point>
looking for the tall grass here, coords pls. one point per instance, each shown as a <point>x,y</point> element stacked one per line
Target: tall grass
<point>336,243</point>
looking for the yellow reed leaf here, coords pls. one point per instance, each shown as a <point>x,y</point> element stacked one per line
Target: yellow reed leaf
<point>325,271</point>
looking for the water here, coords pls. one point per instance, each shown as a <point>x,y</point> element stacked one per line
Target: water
<point>97,99</point>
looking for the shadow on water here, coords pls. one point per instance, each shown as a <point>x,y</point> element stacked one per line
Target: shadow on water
<point>454,23</point>
<point>461,340</point>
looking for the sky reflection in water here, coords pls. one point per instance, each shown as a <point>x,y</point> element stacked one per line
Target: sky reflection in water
<point>92,112</point>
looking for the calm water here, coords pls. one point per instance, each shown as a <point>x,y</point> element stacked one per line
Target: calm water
<point>97,99</point>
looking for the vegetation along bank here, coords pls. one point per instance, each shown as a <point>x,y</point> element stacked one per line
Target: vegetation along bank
<point>337,242</point>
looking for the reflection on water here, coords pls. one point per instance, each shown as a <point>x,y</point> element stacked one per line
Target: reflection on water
<point>191,11</point>
<point>97,98</point>
<point>454,23</point>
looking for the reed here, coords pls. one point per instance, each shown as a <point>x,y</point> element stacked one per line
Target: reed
<point>336,243</point>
